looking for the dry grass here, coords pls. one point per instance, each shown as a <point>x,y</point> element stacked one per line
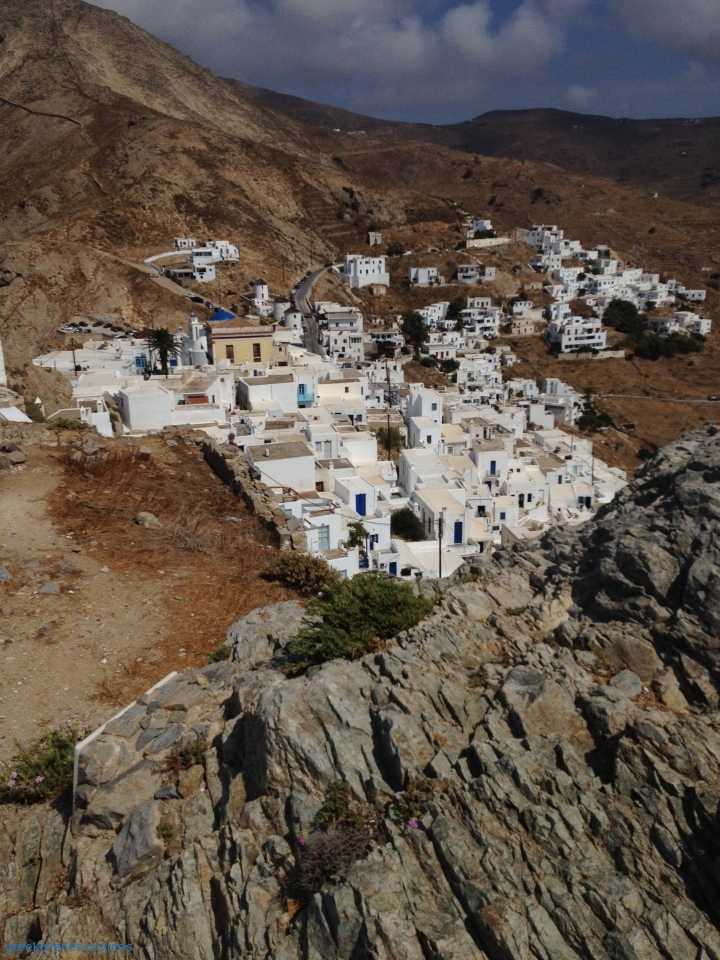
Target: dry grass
<point>203,565</point>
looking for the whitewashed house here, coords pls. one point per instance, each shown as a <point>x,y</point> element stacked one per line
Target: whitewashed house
<point>576,333</point>
<point>423,276</point>
<point>360,271</point>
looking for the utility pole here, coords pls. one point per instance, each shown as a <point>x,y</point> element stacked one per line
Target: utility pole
<point>73,345</point>
<point>441,525</point>
<point>387,373</point>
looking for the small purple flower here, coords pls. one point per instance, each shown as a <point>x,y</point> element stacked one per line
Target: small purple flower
<point>413,824</point>
<point>13,775</point>
<point>11,784</point>
<point>43,745</point>
<point>39,779</point>
<point>301,841</point>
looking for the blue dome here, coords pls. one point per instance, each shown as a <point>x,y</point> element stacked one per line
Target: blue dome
<point>221,315</point>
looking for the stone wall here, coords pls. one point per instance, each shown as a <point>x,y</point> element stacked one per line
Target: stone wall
<point>232,467</point>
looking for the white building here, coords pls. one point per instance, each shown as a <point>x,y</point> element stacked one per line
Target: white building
<point>423,276</point>
<point>360,271</point>
<point>576,333</point>
<point>285,465</point>
<point>264,306</point>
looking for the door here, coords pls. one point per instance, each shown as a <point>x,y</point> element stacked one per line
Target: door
<point>521,500</point>
<point>392,569</point>
<point>360,504</point>
<point>328,448</point>
<point>458,538</point>
<point>324,538</point>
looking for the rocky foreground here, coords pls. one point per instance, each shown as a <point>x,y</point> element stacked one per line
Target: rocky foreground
<point>556,719</point>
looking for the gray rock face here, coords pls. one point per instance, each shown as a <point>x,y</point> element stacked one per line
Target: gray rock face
<point>138,843</point>
<point>569,792</point>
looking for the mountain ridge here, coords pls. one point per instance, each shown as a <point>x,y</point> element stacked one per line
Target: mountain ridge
<point>623,149</point>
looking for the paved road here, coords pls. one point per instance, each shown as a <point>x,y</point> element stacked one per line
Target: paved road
<point>622,396</point>
<point>302,295</point>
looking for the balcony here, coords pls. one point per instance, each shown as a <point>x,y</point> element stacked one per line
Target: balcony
<point>305,397</point>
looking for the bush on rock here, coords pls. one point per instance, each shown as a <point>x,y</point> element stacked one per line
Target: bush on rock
<point>299,571</point>
<point>357,615</point>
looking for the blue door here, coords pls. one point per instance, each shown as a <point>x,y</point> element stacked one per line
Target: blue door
<point>360,506</point>
<point>392,569</point>
<point>458,531</point>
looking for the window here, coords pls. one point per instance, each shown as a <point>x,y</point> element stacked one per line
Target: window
<point>529,498</point>
<point>347,389</point>
<point>560,479</point>
<point>434,406</point>
<point>230,352</point>
<point>256,353</point>
<point>503,515</point>
<point>429,439</point>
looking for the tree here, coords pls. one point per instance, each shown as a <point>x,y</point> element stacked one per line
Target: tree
<point>624,316</point>
<point>163,343</point>
<point>455,307</point>
<point>357,535</point>
<point>414,329</point>
<point>405,525</point>
<point>395,250</point>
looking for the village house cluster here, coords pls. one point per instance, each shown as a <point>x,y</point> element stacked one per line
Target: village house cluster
<point>489,459</point>
<point>596,278</point>
<point>481,462</point>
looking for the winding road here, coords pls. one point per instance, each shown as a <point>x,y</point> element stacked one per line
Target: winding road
<point>302,293</point>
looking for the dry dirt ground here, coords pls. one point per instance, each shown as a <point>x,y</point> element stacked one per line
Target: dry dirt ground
<point>134,604</point>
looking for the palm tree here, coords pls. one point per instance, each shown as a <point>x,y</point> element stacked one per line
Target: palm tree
<point>163,342</point>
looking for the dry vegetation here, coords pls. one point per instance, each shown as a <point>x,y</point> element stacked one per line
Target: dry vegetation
<point>205,559</point>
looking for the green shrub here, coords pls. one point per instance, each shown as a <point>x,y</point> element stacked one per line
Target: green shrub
<point>342,832</point>
<point>63,423</point>
<point>336,806</point>
<point>356,614</point>
<point>395,438</point>
<point>410,805</point>
<point>221,652</point>
<point>41,770</point>
<point>406,525</point>
<point>299,571</point>
<point>652,347</point>
<point>34,412</point>
<point>165,831</point>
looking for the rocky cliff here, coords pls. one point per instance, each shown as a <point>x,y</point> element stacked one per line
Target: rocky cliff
<point>532,772</point>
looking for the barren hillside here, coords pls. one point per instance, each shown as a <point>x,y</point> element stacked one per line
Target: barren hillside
<point>145,145</point>
<point>676,157</point>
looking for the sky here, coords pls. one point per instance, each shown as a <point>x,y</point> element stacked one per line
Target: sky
<point>442,61</point>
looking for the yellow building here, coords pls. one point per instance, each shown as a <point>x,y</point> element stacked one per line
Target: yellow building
<point>240,341</point>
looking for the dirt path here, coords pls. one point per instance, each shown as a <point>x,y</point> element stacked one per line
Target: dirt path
<point>56,650</point>
<point>132,603</point>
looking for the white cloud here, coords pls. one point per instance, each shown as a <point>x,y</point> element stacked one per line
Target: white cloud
<point>691,27</point>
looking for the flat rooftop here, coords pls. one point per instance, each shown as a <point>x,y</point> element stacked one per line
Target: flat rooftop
<point>285,450</point>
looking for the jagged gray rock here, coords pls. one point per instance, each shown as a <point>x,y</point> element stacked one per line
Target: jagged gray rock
<point>567,720</point>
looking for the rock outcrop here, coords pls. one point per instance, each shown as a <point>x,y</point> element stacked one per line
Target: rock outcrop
<point>559,713</point>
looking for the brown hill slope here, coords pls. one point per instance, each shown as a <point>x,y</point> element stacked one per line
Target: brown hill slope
<point>154,147</point>
<point>677,158</point>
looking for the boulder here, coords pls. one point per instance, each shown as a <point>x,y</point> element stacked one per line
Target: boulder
<point>145,519</point>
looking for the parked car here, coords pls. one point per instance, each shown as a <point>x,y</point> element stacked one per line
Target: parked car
<point>715,397</point>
